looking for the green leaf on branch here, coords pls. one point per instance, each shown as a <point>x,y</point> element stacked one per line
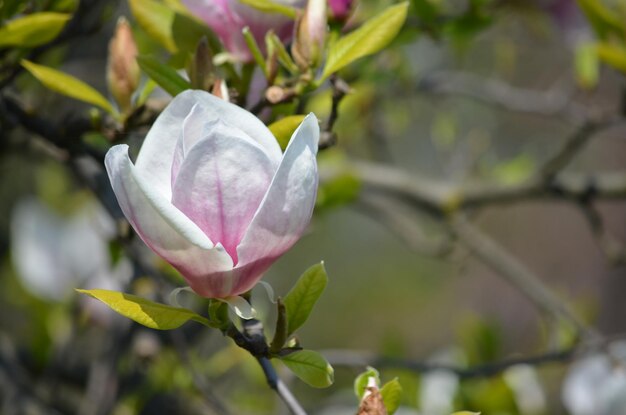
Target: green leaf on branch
<point>613,55</point>
<point>284,128</point>
<point>268,6</point>
<point>146,312</point>
<point>301,299</point>
<point>165,76</point>
<point>361,381</point>
<point>68,85</point>
<point>311,367</point>
<point>156,19</point>
<point>370,38</point>
<point>586,64</point>
<point>392,393</point>
<point>603,20</point>
<point>32,30</point>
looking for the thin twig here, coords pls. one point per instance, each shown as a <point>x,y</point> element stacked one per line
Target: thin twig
<point>510,268</point>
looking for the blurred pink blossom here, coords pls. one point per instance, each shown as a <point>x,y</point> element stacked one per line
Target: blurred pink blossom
<point>228,17</point>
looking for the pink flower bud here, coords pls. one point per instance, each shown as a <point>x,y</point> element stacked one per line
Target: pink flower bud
<point>227,18</point>
<point>340,9</point>
<point>122,69</point>
<point>212,193</point>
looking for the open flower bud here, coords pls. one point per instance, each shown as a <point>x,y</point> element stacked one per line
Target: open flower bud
<point>310,34</point>
<point>212,193</point>
<point>227,18</point>
<point>122,69</point>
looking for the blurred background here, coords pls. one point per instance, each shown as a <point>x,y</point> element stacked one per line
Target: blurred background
<point>480,93</point>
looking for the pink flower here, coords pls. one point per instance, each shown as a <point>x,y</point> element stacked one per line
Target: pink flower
<point>228,17</point>
<point>340,9</point>
<point>212,193</point>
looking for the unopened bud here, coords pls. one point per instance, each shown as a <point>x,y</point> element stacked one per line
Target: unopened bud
<point>276,94</point>
<point>220,90</point>
<point>122,68</point>
<point>310,35</point>
<point>372,402</point>
<point>201,68</point>
<point>340,10</point>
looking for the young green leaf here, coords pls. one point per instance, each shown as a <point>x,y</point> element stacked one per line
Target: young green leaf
<point>187,32</point>
<point>165,76</point>
<point>268,6</point>
<point>361,381</point>
<point>603,20</point>
<point>392,393</point>
<point>32,30</point>
<point>156,19</point>
<point>370,38</point>
<point>586,64</point>
<point>146,312</point>
<point>613,55</point>
<point>311,367</point>
<point>300,300</point>
<point>284,128</point>
<point>68,85</point>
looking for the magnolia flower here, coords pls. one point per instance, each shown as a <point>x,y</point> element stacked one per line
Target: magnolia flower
<point>212,194</point>
<point>228,17</point>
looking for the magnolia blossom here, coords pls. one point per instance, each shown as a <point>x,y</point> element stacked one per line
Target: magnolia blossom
<point>212,193</point>
<point>228,17</point>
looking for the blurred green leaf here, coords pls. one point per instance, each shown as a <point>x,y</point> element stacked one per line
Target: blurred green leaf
<point>392,393</point>
<point>146,312</point>
<point>156,19</point>
<point>515,170</point>
<point>603,20</point>
<point>340,190</point>
<point>187,32</point>
<point>466,413</point>
<point>301,299</point>
<point>165,76</point>
<point>370,38</point>
<point>68,85</point>
<point>268,6</point>
<point>311,367</point>
<point>613,55</point>
<point>586,65</point>
<point>284,128</point>
<point>32,30</point>
<point>361,381</point>
<point>426,10</point>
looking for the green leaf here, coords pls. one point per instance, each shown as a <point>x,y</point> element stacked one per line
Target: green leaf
<point>300,300</point>
<point>165,76</point>
<point>361,381</point>
<point>392,393</point>
<point>156,19</point>
<point>32,30</point>
<point>613,55</point>
<point>337,191</point>
<point>373,36</point>
<point>146,312</point>
<point>311,367</point>
<point>466,413</point>
<point>267,6</point>
<point>586,65</point>
<point>603,20</point>
<point>187,32</point>
<point>68,85</point>
<point>284,128</point>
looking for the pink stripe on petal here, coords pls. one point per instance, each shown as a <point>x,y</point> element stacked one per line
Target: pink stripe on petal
<point>221,183</point>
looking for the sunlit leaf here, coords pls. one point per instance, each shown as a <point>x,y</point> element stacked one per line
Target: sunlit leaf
<point>613,55</point>
<point>586,65</point>
<point>68,85</point>
<point>165,76</point>
<point>603,20</point>
<point>156,19</point>
<point>392,393</point>
<point>361,381</point>
<point>268,6</point>
<point>32,30</point>
<point>146,312</point>
<point>370,38</point>
<point>300,300</point>
<point>338,191</point>
<point>283,129</point>
<point>311,367</point>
